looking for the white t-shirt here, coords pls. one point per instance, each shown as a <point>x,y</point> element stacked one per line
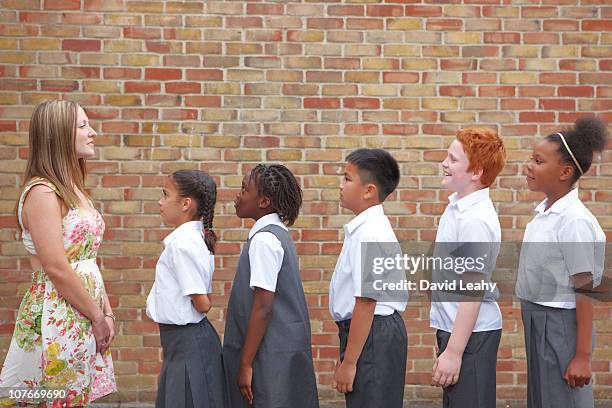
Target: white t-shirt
<point>469,219</point>
<point>265,253</point>
<point>580,248</point>
<point>372,225</point>
<point>184,268</point>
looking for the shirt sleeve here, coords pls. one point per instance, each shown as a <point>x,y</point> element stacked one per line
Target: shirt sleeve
<point>191,270</point>
<point>357,263</point>
<point>577,240</point>
<point>265,258</point>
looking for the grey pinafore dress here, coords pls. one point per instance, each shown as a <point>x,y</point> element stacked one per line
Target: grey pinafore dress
<point>283,371</point>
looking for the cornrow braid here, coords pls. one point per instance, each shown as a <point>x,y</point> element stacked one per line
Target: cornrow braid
<point>276,182</point>
<point>203,189</point>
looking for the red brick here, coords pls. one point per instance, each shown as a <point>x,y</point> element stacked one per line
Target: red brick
<point>81,45</point>
<point>363,129</point>
<point>346,10</point>
<point>536,117</point>
<point>62,4</point>
<point>399,129</point>
<point>325,23</point>
<point>496,91</point>
<point>163,74</point>
<point>554,78</point>
<point>385,11</point>
<point>120,181</point>
<point>557,104</point>
<point>243,22</point>
<point>183,87</point>
<point>361,103</point>
<point>322,103</point>
<point>576,91</point>
<point>364,23</point>
<point>145,33</point>
<point>180,114</point>
<point>436,24</point>
<point>142,87</point>
<point>400,77</point>
<point>261,141</point>
<point>254,8</point>
<point>456,90</point>
<point>203,101</point>
<point>204,74</point>
<point>502,38</point>
<point>122,73</point>
<point>423,11</point>
<point>597,25</point>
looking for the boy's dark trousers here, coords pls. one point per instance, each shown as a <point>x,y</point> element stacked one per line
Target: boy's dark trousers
<point>476,385</point>
<point>381,368</point>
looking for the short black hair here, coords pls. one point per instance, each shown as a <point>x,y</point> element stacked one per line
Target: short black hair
<point>588,136</point>
<point>376,166</point>
<point>276,182</point>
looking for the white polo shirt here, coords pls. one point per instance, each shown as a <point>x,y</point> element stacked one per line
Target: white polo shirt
<point>469,219</point>
<point>372,225</point>
<point>566,221</point>
<point>265,253</point>
<point>184,268</point>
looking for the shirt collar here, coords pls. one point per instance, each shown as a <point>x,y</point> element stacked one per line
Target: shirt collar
<point>181,229</point>
<point>266,220</point>
<point>362,217</point>
<point>559,205</point>
<point>469,200</point>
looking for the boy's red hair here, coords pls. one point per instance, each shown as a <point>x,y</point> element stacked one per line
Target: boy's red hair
<point>485,150</point>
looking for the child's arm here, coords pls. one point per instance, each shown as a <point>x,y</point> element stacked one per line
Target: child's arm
<point>201,302</point>
<point>258,323</point>
<point>448,365</point>
<point>578,372</point>
<point>361,322</point>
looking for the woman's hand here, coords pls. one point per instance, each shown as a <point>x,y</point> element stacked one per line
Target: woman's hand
<point>101,332</point>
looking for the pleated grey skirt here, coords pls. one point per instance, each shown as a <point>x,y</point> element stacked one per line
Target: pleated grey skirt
<point>550,342</point>
<point>192,371</point>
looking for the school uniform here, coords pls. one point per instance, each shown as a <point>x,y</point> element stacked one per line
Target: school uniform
<point>470,222</point>
<point>561,241</point>
<point>192,370</point>
<point>381,368</point>
<point>283,370</point>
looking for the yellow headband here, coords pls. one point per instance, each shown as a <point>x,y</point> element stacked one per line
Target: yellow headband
<point>570,153</point>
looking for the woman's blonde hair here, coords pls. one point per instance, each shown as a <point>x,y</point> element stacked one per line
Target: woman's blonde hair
<point>52,154</point>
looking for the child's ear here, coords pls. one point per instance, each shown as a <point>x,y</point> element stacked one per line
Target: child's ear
<point>187,203</point>
<point>264,202</point>
<point>371,192</point>
<point>477,175</point>
<point>566,173</point>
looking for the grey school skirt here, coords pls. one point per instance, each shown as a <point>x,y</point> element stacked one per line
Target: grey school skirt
<point>550,342</point>
<point>192,371</point>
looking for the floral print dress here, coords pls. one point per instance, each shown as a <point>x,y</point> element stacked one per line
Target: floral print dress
<point>53,346</point>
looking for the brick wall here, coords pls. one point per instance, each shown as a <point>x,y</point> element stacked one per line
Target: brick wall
<point>221,86</point>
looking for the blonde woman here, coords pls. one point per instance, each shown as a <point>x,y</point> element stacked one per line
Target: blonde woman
<point>65,323</point>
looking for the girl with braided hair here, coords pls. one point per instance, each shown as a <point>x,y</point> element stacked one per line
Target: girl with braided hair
<point>192,371</point>
<point>562,257</point>
<point>266,346</point>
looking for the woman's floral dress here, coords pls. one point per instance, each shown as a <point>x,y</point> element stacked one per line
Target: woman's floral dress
<point>53,346</point>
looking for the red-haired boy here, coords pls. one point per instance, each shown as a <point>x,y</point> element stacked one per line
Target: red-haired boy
<point>468,332</point>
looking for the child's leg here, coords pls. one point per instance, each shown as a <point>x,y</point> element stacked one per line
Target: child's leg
<point>477,382</point>
<point>550,341</point>
<point>381,368</point>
